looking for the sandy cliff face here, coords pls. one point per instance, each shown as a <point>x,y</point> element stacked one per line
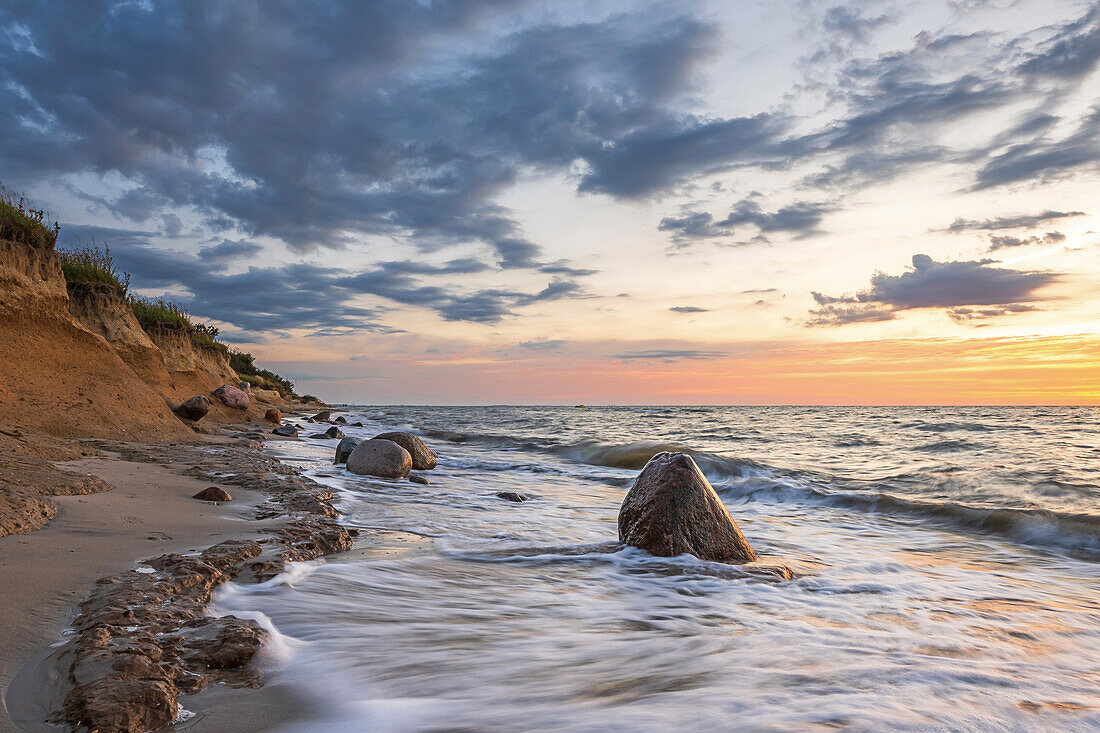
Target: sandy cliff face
<point>199,370</point>
<point>108,315</point>
<point>58,377</point>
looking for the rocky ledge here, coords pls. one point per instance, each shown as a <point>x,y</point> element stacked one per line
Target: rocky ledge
<point>142,639</point>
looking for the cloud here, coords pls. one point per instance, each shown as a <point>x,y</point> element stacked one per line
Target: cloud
<point>688,309</point>
<point>965,315</point>
<point>304,296</point>
<point>931,284</point>
<point>350,128</point>
<point>670,355</point>
<point>1020,221</point>
<point>229,250</point>
<point>1002,241</point>
<point>1045,159</point>
<point>800,218</point>
<point>542,345</point>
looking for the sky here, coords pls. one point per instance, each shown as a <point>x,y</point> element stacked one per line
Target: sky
<point>510,201</point>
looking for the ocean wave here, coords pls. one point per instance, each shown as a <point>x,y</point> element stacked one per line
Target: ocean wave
<point>636,454</point>
<point>949,427</point>
<point>633,455</point>
<point>1078,533</point>
<point>947,446</point>
<point>855,441</point>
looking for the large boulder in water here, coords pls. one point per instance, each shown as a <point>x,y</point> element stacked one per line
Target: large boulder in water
<point>344,449</point>
<point>232,397</point>
<point>382,458</point>
<point>194,408</point>
<point>672,509</point>
<point>322,416</point>
<point>423,457</point>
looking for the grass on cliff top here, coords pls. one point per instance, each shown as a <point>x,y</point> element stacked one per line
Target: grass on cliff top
<point>21,223</point>
<point>88,265</point>
<point>244,365</point>
<point>158,312</point>
<point>154,313</point>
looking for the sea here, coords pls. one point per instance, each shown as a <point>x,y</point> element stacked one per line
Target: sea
<point>947,566</point>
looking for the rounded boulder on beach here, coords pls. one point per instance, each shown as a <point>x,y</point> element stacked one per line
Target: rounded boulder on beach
<point>232,397</point>
<point>423,457</point>
<point>194,409</point>
<point>344,449</point>
<point>213,493</point>
<point>671,509</point>
<point>382,458</point>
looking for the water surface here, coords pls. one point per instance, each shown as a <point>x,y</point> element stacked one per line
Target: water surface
<point>949,560</point>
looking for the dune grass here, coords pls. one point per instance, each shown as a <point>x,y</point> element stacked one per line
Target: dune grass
<point>158,312</point>
<point>89,266</point>
<point>19,222</point>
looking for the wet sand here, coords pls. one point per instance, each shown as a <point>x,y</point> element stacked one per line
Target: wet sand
<point>45,573</point>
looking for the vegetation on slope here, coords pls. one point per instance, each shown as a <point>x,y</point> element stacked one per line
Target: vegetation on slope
<point>242,363</point>
<point>20,223</point>
<point>89,267</point>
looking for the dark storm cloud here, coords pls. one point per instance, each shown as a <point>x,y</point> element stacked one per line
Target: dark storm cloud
<point>307,296</point>
<point>1022,221</point>
<point>931,284</point>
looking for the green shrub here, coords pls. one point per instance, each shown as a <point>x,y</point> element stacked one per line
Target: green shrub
<point>20,223</point>
<point>244,364</point>
<point>89,266</point>
<point>158,312</point>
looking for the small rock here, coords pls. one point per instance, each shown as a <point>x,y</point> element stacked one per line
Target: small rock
<point>423,457</point>
<point>382,458</point>
<point>672,509</point>
<point>244,386</point>
<point>273,415</point>
<point>357,424</point>
<point>340,420</point>
<point>232,397</point>
<point>323,416</point>
<point>287,431</point>
<point>334,432</point>
<point>194,408</point>
<point>418,479</point>
<point>213,493</point>
<point>511,495</point>
<point>344,449</point>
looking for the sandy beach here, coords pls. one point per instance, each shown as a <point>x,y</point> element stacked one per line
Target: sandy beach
<point>96,539</point>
